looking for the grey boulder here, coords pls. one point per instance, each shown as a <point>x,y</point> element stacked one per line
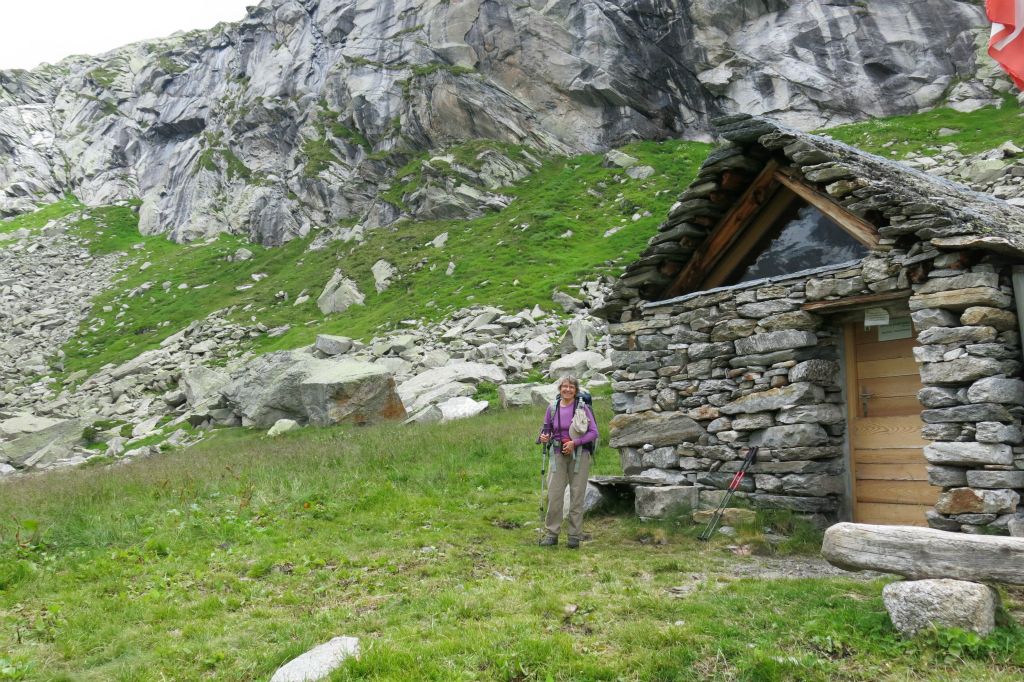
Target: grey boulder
<point>461,408</point>
<point>656,502</point>
<point>579,364</point>
<point>201,383</point>
<point>917,605</point>
<point>44,446</point>
<point>295,385</point>
<point>339,294</point>
<point>455,371</point>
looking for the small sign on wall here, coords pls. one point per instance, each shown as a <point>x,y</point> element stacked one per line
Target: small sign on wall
<point>898,328</point>
<point>875,317</point>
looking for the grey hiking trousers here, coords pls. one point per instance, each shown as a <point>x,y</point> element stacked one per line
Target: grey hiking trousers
<point>562,474</point>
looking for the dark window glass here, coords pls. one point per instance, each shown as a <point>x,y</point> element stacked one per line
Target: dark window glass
<point>809,240</point>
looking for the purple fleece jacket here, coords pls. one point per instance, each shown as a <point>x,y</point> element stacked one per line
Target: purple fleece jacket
<point>558,424</point>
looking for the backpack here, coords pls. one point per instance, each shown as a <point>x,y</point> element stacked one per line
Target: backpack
<point>589,402</point>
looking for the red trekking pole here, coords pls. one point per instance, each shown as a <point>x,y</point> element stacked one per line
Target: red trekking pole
<point>734,484</point>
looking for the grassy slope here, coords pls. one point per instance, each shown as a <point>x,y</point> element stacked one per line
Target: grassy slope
<point>38,219</point>
<point>228,559</point>
<point>971,132</point>
<point>512,259</point>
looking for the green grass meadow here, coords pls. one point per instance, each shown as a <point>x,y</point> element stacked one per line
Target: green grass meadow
<point>228,559</point>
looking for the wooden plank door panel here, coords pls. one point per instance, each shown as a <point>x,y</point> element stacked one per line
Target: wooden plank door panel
<point>893,514</point>
<point>879,433</point>
<point>890,477</point>
<point>896,492</point>
<point>892,367</point>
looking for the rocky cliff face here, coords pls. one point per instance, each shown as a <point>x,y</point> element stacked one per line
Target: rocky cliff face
<point>298,116</point>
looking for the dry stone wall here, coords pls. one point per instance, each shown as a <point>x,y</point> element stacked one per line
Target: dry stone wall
<point>972,404</point>
<point>700,377</point>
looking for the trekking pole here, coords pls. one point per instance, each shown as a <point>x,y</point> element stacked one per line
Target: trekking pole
<point>733,486</point>
<point>543,480</point>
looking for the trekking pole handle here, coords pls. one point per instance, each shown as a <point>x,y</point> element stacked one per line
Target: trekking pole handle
<point>750,459</point>
<point>737,478</point>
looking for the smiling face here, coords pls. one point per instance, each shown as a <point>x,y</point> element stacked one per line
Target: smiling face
<point>567,391</point>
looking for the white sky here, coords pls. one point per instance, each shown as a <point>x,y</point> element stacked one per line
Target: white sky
<point>36,31</point>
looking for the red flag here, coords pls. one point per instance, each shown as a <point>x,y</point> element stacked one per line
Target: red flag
<point>1006,45</point>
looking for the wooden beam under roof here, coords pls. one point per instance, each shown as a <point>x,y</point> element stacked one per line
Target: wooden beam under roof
<point>714,254</point>
<point>729,228</point>
<point>855,302</point>
<point>859,229</point>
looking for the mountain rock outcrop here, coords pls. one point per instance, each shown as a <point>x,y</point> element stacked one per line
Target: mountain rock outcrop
<point>297,117</point>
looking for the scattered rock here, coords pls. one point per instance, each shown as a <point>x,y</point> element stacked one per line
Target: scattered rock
<point>318,662</point>
<point>615,158</point>
<point>282,426</point>
<point>461,407</point>
<point>339,293</point>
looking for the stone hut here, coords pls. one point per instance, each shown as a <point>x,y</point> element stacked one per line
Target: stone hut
<point>854,318</point>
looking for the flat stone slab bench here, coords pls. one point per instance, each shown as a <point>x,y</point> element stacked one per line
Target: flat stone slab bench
<point>919,553</point>
<point>612,481</point>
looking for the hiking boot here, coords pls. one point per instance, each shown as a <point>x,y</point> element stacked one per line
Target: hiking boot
<point>574,543</point>
<point>549,541</point>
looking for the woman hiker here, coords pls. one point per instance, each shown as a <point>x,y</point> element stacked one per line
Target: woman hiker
<point>570,461</point>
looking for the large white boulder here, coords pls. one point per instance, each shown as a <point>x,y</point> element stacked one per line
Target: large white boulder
<point>579,364</point>
<point>461,408</point>
<point>19,425</point>
<point>349,392</point>
<point>398,367</point>
<point>44,446</point>
<point>582,333</point>
<point>201,383</point>
<point>657,502</point>
<point>282,426</point>
<point>383,273</point>
<point>516,395</point>
<point>333,345</point>
<point>544,394</point>
<point>440,393</point>
<point>140,364</point>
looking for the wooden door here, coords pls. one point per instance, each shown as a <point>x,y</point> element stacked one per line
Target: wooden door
<point>890,480</point>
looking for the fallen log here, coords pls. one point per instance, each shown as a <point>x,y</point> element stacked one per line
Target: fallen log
<point>920,553</point>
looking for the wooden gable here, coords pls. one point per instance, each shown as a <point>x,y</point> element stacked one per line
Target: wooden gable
<point>747,224</point>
